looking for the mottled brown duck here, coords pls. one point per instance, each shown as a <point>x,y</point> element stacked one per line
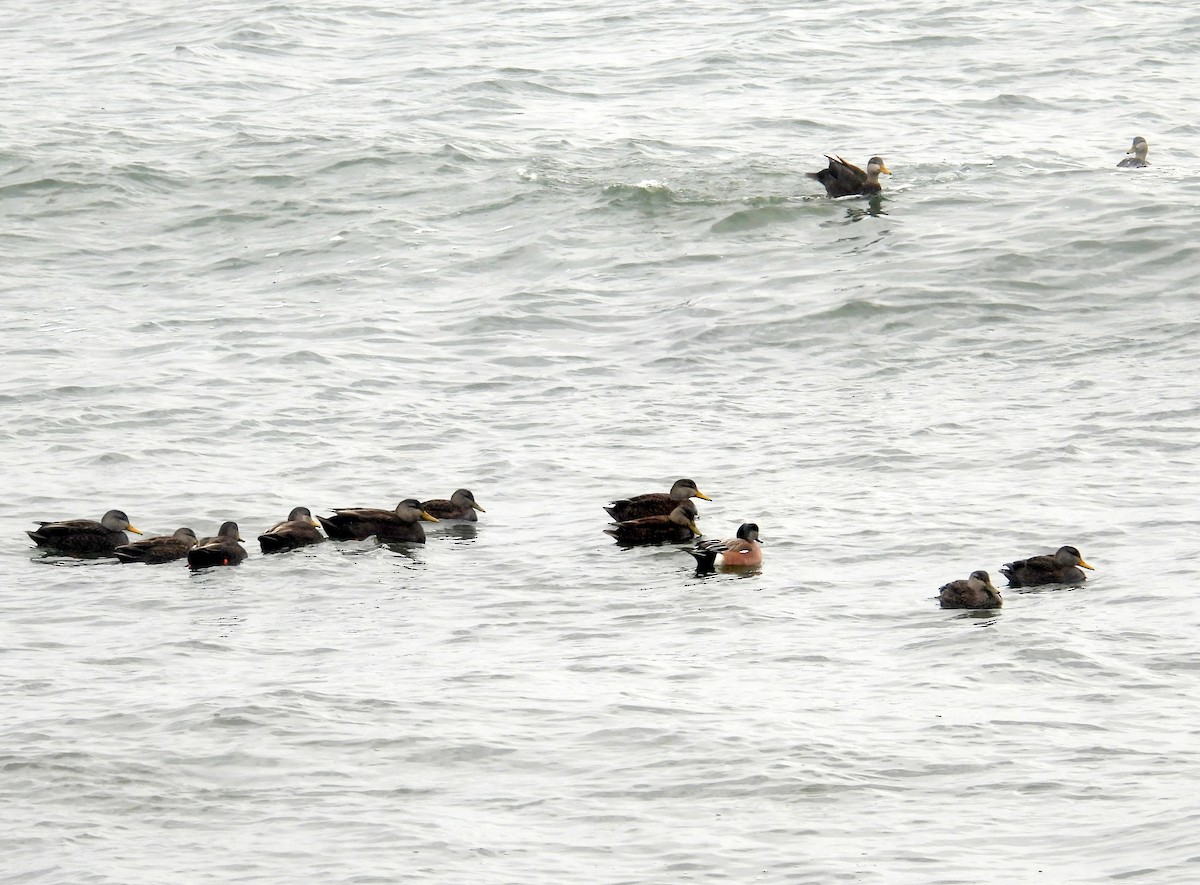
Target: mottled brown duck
<point>461,506</point>
<point>974,592</point>
<point>1138,160</point>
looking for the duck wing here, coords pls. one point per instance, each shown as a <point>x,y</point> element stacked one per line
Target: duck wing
<point>841,179</point>
<point>641,506</point>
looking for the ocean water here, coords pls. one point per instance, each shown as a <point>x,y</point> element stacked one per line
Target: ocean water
<point>260,255</point>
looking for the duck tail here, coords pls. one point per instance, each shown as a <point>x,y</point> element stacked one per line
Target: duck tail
<point>706,560</point>
<point>334,529</point>
<point>274,543</point>
<point>206,557</point>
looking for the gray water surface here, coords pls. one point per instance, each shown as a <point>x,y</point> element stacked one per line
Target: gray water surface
<point>338,254</point>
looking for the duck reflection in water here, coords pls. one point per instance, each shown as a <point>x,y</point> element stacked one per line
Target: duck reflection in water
<point>859,212</point>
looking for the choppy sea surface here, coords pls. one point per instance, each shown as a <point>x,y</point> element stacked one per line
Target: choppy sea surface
<point>260,255</point>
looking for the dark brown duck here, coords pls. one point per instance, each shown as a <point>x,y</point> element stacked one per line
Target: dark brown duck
<point>155,551</point>
<point>1061,568</point>
<point>842,179</point>
<point>223,549</point>
<point>679,525</point>
<point>359,523</point>
<point>85,537</point>
<point>298,530</point>
<point>654,503</point>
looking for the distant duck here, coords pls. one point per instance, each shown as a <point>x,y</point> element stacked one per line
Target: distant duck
<point>155,551</point>
<point>85,537</point>
<point>223,549</point>
<point>975,592</point>
<point>842,179</point>
<point>1138,160</point>
<point>679,525</point>
<point>299,530</point>
<point>1061,568</point>
<point>654,503</point>
<point>400,525</point>
<point>461,505</point>
<point>740,552</point>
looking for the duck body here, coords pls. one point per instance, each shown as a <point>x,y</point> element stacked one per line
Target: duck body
<point>461,506</point>
<point>974,592</point>
<point>1063,567</point>
<point>1139,150</point>
<point>842,179</point>
<point>359,523</point>
<point>223,549</point>
<point>298,530</point>
<point>742,551</point>
<point>155,551</point>
<point>654,503</point>
<point>679,525</point>
<point>85,537</point>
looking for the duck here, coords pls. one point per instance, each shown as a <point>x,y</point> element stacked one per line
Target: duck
<point>1061,568</point>
<point>298,530</point>
<point>360,523</point>
<point>679,525</point>
<point>1138,160</point>
<point>461,505</point>
<point>654,503</point>
<point>742,551</point>
<point>975,592</point>
<point>222,549</point>
<point>85,537</point>
<point>842,179</point>
<point>155,551</point>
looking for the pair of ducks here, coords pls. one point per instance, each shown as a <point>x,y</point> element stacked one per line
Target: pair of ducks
<point>658,517</point>
<point>85,537</point>
<point>1063,567</point>
<point>842,179</point>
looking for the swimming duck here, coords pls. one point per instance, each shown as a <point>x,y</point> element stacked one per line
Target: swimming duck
<point>154,551</point>
<point>1061,568</point>
<point>357,524</point>
<point>679,525</point>
<point>740,552</point>
<point>1138,160</point>
<point>223,549</point>
<point>975,592</point>
<point>85,537</point>
<point>654,503</point>
<point>841,179</point>
<point>299,530</point>
<point>461,505</point>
